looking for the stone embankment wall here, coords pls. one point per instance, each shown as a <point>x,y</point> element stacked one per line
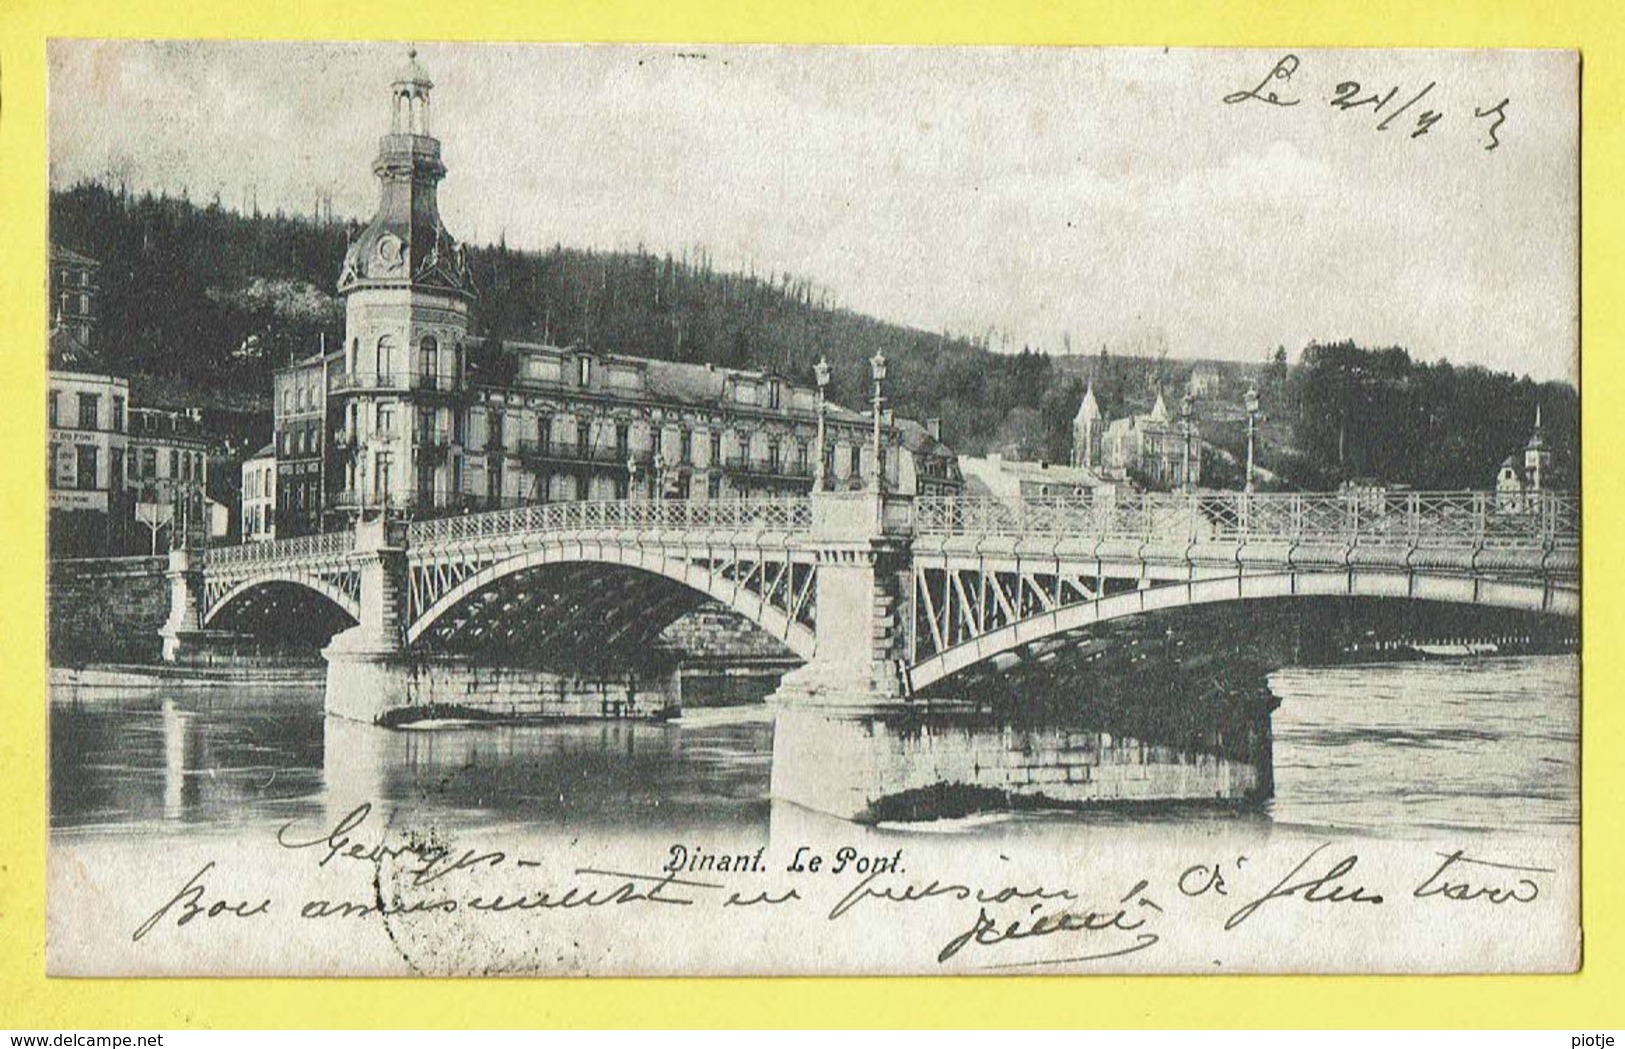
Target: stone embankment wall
<point>106,609</point>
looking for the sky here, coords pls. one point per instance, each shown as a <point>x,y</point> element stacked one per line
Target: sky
<point>1051,197</point>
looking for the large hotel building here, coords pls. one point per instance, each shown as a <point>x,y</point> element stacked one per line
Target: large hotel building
<point>416,414</point>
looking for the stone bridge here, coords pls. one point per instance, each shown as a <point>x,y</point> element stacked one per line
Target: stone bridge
<point>885,598</point>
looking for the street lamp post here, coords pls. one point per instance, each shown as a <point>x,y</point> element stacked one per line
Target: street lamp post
<point>631,475</point>
<point>1251,401</point>
<point>821,371</point>
<point>659,476</point>
<point>877,365</point>
<point>1187,408</point>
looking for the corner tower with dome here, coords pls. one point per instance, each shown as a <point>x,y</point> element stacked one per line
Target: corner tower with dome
<point>407,292</point>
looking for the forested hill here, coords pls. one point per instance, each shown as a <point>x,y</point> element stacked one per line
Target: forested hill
<point>199,304</point>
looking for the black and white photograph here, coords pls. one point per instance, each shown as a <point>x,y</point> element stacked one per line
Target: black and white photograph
<point>675,509</point>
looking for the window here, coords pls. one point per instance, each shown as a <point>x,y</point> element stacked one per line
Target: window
<point>716,447</point>
<point>118,414</point>
<point>713,486</point>
<point>131,470</point>
<point>115,468</point>
<point>774,392</point>
<point>384,359</point>
<point>429,357</point>
<point>801,457</point>
<point>52,407</point>
<point>494,433</point>
<point>623,441</point>
<point>773,455</point>
<point>287,400</point>
<point>583,437</point>
<point>685,445</point>
<point>386,419</point>
<point>583,371</point>
<point>380,476</point>
<point>174,463</point>
<point>149,463</point>
<point>86,477</point>
<point>89,408</point>
<point>857,460</point>
<point>581,488</point>
<point>544,434</point>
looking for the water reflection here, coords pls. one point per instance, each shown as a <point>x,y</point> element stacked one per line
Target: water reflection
<point>1478,745</point>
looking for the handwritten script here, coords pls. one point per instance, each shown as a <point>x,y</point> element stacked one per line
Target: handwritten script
<point>1397,106</point>
<point>956,922</point>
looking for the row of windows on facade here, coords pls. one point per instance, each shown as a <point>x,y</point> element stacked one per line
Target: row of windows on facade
<point>89,416</point>
<point>494,484</point>
<point>587,435</point>
<point>185,467</point>
<point>69,278</point>
<point>429,366</point>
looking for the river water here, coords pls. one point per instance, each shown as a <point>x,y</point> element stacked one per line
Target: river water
<point>1396,750</point>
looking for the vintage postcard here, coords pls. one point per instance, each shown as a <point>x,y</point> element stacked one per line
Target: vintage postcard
<point>641,509</point>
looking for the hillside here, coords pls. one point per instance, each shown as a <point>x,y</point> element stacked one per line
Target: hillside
<point>199,304</point>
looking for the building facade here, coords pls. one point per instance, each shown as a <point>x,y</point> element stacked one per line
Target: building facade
<point>418,415</point>
<point>1011,480</point>
<point>1153,449</point>
<point>168,471</point>
<point>87,450</point>
<point>73,293</point>
<point>1524,475</point>
<point>259,492</point>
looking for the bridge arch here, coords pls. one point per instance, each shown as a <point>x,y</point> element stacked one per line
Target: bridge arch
<point>1519,595</point>
<point>670,564</point>
<point>345,602</point>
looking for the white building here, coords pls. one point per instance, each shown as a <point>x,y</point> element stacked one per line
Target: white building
<point>259,496</point>
<point>88,445</point>
<point>1012,480</point>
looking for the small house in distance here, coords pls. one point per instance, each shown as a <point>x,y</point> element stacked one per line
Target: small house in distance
<point>1012,480</point>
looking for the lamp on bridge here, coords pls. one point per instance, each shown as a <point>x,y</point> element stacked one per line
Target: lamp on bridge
<point>659,475</point>
<point>1187,408</point>
<point>1250,399</point>
<point>821,373</point>
<point>877,365</point>
<point>631,475</point>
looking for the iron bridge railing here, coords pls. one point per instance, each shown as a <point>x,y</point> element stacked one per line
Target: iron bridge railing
<point>305,547</point>
<point>786,515</point>
<point>1412,519</point>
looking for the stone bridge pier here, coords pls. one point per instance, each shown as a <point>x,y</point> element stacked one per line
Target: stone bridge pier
<point>851,739</point>
<point>369,673</point>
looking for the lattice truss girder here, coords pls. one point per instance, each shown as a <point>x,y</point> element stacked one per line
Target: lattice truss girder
<point>956,604</point>
<point>783,582</point>
<point>343,578</point>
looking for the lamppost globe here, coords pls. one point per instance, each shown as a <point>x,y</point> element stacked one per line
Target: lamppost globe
<point>821,372</point>
<point>877,364</point>
<point>1251,400</point>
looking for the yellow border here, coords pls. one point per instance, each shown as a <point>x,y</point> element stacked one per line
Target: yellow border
<point>28,999</point>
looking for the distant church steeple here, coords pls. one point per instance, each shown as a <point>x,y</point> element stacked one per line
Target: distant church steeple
<point>1087,428</point>
<point>1537,458</point>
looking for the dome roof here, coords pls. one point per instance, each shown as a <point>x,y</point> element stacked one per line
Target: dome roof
<point>413,72</point>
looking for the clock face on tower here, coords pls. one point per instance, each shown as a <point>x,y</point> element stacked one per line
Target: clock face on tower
<point>391,252</point>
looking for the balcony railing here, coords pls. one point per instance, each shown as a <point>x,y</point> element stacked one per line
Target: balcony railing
<point>573,453</point>
<point>745,465</point>
<point>1403,519</point>
<point>341,382</point>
